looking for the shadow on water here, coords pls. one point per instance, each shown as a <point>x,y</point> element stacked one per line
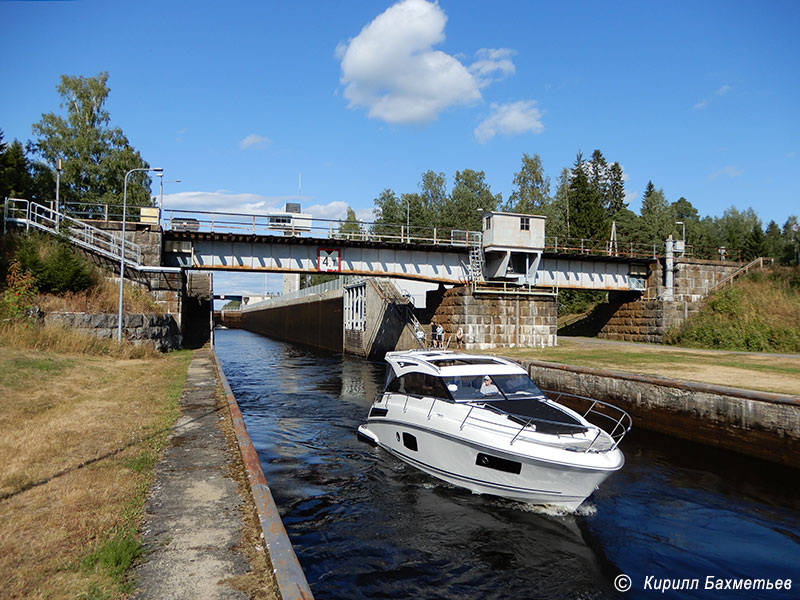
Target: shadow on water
<point>366,525</point>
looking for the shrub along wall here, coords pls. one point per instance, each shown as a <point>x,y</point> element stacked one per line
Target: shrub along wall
<point>159,330</point>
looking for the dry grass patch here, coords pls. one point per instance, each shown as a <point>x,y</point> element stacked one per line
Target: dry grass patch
<point>763,372</point>
<point>65,341</point>
<point>79,435</point>
<point>101,298</point>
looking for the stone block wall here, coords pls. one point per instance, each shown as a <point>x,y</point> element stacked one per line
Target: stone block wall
<point>498,320</point>
<point>694,278</point>
<point>161,331</point>
<point>648,318</point>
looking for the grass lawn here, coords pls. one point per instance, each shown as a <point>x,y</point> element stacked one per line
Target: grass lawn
<point>79,437</point>
<point>765,372</point>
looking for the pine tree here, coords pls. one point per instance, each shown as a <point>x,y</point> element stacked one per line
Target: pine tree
<point>587,215</point>
<point>657,218</point>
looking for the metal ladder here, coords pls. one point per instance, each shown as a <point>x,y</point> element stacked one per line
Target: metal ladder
<point>475,263</point>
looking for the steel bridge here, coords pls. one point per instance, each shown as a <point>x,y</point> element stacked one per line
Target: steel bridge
<point>215,241</point>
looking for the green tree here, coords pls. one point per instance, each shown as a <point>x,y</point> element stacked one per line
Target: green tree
<point>350,227</point>
<point>95,155</point>
<point>531,194</point>
<point>615,190</point>
<point>388,214</point>
<point>735,226</point>
<point>587,214</point>
<point>657,219</point>
<point>470,194</point>
<point>773,241</point>
<point>557,223</point>
<point>15,178</point>
<point>791,237</point>
<point>753,243</point>
<point>429,205</point>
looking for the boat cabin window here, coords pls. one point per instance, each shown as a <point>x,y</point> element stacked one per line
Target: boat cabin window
<point>419,384</point>
<point>492,387</point>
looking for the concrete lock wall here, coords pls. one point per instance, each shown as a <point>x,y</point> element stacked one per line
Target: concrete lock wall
<point>758,424</point>
<point>497,320</point>
<point>312,321</point>
<point>197,314</point>
<point>386,324</point>
<point>161,331</point>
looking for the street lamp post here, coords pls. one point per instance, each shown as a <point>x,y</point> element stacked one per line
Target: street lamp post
<point>683,235</point>
<point>161,179</point>
<point>122,245</point>
<point>408,210</point>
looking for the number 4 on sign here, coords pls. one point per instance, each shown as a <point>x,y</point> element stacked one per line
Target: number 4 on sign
<point>328,260</point>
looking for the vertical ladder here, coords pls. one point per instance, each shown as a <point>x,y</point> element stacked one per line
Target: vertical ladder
<point>475,263</point>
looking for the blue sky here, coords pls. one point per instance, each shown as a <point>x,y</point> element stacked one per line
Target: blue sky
<point>236,99</point>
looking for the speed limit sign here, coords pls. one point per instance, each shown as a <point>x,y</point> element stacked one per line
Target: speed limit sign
<point>328,260</point>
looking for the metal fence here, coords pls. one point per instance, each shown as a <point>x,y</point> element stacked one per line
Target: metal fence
<point>32,215</point>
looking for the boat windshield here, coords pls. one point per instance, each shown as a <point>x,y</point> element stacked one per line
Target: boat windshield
<point>492,387</point>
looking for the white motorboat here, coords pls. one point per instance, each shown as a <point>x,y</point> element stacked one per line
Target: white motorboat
<point>479,422</point>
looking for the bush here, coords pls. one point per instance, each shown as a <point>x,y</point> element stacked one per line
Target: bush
<point>759,313</point>
<point>55,266</point>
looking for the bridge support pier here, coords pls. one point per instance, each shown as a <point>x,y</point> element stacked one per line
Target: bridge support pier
<point>498,319</point>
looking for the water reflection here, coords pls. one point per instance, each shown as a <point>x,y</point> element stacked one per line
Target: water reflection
<point>366,525</point>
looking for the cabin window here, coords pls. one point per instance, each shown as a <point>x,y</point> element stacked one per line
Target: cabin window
<point>419,384</point>
<point>525,224</point>
<point>487,223</point>
<point>497,463</point>
<point>410,441</point>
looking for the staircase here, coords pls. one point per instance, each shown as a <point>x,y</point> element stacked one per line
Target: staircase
<point>758,263</point>
<point>27,214</point>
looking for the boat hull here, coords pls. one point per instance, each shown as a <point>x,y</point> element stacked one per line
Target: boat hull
<point>564,479</point>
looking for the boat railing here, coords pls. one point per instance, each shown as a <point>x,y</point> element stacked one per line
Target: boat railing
<point>616,422</point>
<point>619,421</point>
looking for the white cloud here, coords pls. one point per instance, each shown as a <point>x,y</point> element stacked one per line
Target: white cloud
<point>391,69</point>
<point>493,64</point>
<point>253,141</point>
<point>222,201</point>
<point>721,91</point>
<point>332,210</point>
<point>228,202</point>
<point>727,171</point>
<point>514,118</point>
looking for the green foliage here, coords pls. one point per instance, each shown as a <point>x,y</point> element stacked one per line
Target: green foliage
<point>657,219</point>
<point>759,314</point>
<point>532,191</point>
<point>15,178</point>
<point>587,215</point>
<point>350,227</point>
<point>433,207</point>
<point>114,557</point>
<point>574,302</point>
<point>95,155</point>
<point>55,266</point>
<point>16,302</point>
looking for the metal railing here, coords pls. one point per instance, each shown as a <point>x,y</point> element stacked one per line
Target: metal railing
<point>217,222</point>
<point>624,249</point>
<point>619,420</point>
<point>30,214</point>
<point>755,264</point>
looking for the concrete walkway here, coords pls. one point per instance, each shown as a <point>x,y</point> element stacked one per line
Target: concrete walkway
<point>194,517</point>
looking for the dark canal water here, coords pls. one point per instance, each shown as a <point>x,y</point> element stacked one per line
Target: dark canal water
<point>366,525</point>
